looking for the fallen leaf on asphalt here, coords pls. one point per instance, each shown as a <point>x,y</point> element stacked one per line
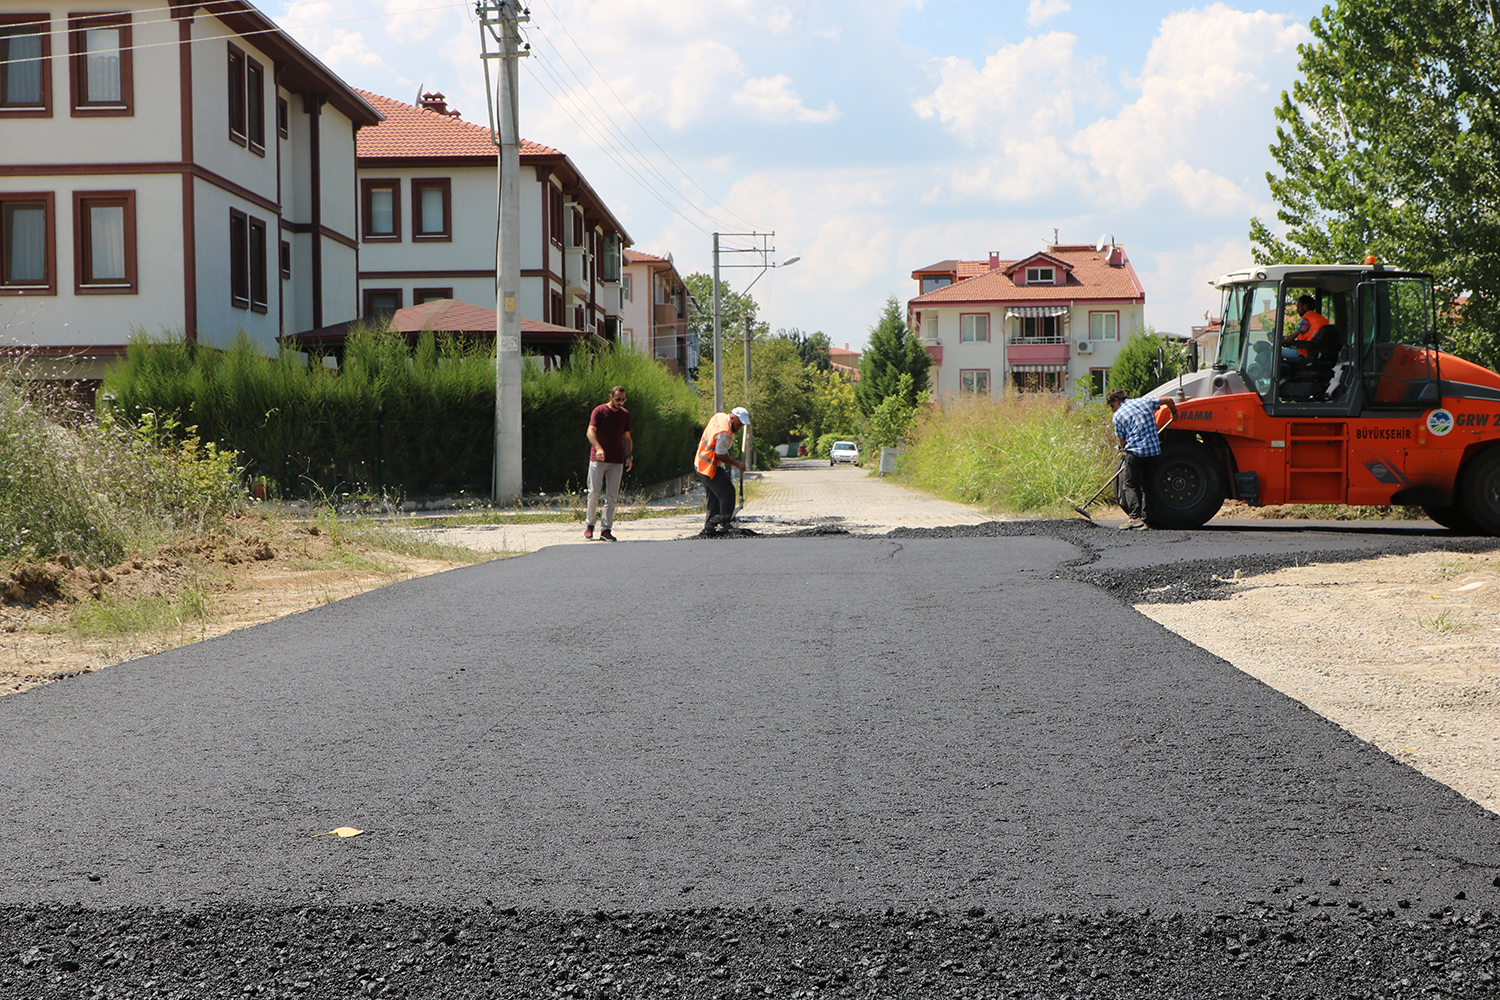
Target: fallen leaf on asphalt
<point>343,831</point>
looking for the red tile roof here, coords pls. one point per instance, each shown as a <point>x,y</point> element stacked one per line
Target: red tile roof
<point>1091,278</point>
<point>413,136</point>
<point>636,257</point>
<point>440,316</point>
<point>413,132</point>
<point>963,268</point>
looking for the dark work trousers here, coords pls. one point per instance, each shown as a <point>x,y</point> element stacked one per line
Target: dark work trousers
<point>720,491</point>
<point>1133,479</point>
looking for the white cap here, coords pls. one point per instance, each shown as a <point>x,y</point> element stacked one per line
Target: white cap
<point>741,414</point>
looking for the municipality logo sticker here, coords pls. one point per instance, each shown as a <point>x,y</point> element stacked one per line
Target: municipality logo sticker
<point>1439,422</point>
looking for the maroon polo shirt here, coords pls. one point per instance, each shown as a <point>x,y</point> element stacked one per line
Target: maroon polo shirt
<point>610,427</point>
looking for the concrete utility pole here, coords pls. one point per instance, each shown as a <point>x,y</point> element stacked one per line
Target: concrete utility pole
<point>718,355</point>
<point>746,443</point>
<point>762,249</point>
<point>499,22</point>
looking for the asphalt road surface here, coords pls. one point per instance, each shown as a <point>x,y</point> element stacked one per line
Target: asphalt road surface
<point>948,763</point>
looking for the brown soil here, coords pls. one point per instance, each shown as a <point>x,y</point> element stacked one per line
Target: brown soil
<point>251,570</point>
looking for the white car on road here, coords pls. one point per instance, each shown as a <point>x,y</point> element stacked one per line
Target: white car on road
<point>843,451</point>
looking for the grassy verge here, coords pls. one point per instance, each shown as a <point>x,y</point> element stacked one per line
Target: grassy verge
<point>1020,454</point>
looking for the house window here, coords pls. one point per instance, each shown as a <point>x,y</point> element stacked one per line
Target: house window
<point>420,295</point>
<point>236,95</point>
<point>627,289</point>
<point>282,118</point>
<point>1037,381</point>
<point>247,262</point>
<point>578,317</point>
<point>25,66</point>
<point>27,248</point>
<point>381,302</point>
<point>1098,381</point>
<point>100,62</point>
<point>1041,276</point>
<point>1039,329</point>
<point>381,202</point>
<point>974,328</point>
<point>932,282</point>
<point>259,246</point>
<point>255,104</point>
<point>431,210</point>
<point>928,325</point>
<point>557,309</point>
<point>1104,326</point>
<point>286,259</point>
<point>609,270</point>
<point>239,259</point>
<point>974,380</point>
<point>104,257</point>
<point>555,215</point>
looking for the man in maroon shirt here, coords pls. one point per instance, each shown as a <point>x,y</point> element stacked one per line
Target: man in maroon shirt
<point>609,458</point>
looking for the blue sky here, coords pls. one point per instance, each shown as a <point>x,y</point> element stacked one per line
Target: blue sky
<point>878,136</point>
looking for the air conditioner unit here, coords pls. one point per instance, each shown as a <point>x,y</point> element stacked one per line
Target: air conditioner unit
<point>1085,347</point>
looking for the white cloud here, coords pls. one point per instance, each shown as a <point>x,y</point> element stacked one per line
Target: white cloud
<point>411,20</point>
<point>772,98</point>
<point>1021,106</point>
<point>1177,282</point>
<point>1171,139</point>
<point>1042,11</point>
<point>700,79</point>
<point>348,48</point>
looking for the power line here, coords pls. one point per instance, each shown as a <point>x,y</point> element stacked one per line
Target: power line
<point>277,30</point>
<point>604,147</point>
<point>606,122</point>
<point>626,108</point>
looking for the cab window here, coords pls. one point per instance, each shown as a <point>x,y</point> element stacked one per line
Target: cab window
<point>1397,357</point>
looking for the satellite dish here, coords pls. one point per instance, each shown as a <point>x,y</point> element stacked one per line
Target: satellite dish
<point>1100,245</point>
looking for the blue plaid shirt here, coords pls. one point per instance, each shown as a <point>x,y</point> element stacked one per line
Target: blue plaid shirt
<point>1135,423</point>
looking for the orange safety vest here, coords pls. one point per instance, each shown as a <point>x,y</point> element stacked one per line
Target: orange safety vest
<point>1315,322</point>
<point>708,464</point>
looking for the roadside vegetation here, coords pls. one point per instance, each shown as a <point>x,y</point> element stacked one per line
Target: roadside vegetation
<point>1024,453</point>
<point>126,537</point>
<point>397,420</point>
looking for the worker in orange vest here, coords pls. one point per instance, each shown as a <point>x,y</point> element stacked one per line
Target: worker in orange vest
<point>1312,321</point>
<point>713,457</point>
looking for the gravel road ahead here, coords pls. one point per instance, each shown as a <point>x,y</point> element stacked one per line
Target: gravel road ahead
<point>805,766</point>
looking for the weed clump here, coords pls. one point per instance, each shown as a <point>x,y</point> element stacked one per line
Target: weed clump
<point>1026,453</point>
<point>100,488</point>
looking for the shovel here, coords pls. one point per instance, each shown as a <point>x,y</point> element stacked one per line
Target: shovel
<point>1119,467</point>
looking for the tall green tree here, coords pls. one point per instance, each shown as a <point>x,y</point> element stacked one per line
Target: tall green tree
<point>812,347</point>
<point>1388,145</point>
<point>733,308</point>
<point>1146,361</point>
<point>891,353</point>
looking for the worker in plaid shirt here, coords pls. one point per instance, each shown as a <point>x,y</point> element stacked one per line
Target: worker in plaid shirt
<point>1135,427</point>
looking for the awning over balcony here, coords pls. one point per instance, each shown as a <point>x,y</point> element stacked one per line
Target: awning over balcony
<point>1036,312</point>
<point>1038,368</point>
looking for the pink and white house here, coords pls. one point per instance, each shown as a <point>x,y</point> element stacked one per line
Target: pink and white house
<point>1053,321</point>
<point>427,218</point>
<point>654,309</point>
<point>181,167</point>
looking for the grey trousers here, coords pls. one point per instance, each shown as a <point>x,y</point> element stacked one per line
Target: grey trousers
<point>604,476</point>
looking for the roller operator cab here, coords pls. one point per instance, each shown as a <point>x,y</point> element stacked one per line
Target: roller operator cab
<point>1327,387</point>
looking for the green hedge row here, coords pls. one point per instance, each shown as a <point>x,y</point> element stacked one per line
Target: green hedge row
<point>393,419</point>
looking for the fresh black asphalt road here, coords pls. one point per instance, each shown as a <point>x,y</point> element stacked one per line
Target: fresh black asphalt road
<point>953,722</point>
